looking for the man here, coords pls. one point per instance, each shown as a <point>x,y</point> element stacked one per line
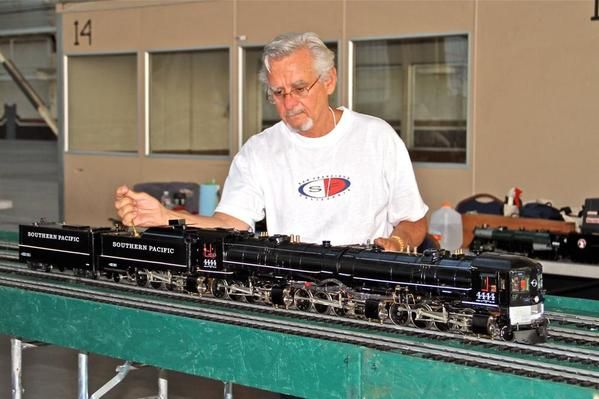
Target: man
<point>321,173</point>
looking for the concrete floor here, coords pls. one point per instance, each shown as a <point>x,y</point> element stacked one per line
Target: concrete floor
<point>29,179</point>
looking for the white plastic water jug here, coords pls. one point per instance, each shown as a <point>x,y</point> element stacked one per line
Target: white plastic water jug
<point>446,227</point>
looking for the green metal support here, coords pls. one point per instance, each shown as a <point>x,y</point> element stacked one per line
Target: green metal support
<point>307,367</point>
<point>587,307</point>
<point>9,236</point>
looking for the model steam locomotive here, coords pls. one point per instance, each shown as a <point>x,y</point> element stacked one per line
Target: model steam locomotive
<point>496,295</point>
<point>578,247</point>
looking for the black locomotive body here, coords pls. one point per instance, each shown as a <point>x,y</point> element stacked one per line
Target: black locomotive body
<point>491,294</point>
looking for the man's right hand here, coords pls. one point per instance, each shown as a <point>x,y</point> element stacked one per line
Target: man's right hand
<point>139,209</point>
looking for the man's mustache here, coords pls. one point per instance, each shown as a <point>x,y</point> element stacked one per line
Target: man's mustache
<point>295,111</point>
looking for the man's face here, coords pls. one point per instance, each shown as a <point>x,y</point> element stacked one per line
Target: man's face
<point>307,114</point>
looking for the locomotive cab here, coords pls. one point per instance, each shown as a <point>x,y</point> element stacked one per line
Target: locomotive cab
<point>525,292</point>
<point>510,287</point>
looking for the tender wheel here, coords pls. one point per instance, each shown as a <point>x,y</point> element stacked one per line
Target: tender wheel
<point>424,324</point>
<point>141,279</point>
<point>116,277</point>
<point>301,299</point>
<point>399,313</point>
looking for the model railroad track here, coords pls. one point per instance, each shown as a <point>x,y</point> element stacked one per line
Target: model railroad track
<point>9,250</point>
<point>525,367</point>
<point>550,350</point>
<point>589,322</point>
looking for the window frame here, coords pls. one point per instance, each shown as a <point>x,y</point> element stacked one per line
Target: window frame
<point>65,103</point>
<point>146,103</point>
<point>351,70</point>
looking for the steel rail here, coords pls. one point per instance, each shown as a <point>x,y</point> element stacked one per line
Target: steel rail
<point>9,245</point>
<point>579,320</point>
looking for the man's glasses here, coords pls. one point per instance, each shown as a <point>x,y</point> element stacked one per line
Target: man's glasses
<point>278,95</point>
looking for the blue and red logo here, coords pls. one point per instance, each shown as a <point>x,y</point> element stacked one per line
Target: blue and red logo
<point>324,187</point>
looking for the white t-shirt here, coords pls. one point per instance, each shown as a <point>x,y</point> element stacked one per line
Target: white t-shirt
<point>352,185</point>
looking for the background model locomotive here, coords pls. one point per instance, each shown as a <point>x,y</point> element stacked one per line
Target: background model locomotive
<point>578,247</point>
<point>492,294</point>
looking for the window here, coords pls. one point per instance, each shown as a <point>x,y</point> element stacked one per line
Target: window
<point>488,282</point>
<point>520,282</point>
<point>102,103</point>
<point>419,86</point>
<point>258,113</point>
<point>34,57</point>
<point>189,102</point>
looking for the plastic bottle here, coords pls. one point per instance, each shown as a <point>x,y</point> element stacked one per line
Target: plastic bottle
<point>208,197</point>
<point>446,226</point>
<point>166,200</point>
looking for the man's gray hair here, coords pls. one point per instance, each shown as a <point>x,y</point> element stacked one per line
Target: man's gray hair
<point>286,43</point>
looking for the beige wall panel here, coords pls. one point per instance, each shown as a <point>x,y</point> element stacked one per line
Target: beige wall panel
<point>537,119</point>
<point>111,31</point>
<point>366,18</point>
<point>260,21</point>
<point>201,24</point>
<point>90,181</point>
<point>176,26</point>
<point>439,185</point>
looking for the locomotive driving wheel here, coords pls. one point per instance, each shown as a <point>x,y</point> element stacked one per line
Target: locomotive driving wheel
<point>302,299</point>
<point>424,324</point>
<point>322,308</point>
<point>399,313</point>
<point>218,288</point>
<point>334,292</point>
<point>441,326</point>
<point>340,298</point>
<point>239,297</point>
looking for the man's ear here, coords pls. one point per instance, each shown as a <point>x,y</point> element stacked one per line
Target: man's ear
<point>331,82</point>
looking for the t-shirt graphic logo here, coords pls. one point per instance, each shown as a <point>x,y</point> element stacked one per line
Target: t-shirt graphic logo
<point>324,187</point>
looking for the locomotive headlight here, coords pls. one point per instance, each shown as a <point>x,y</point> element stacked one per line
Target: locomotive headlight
<point>536,299</point>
